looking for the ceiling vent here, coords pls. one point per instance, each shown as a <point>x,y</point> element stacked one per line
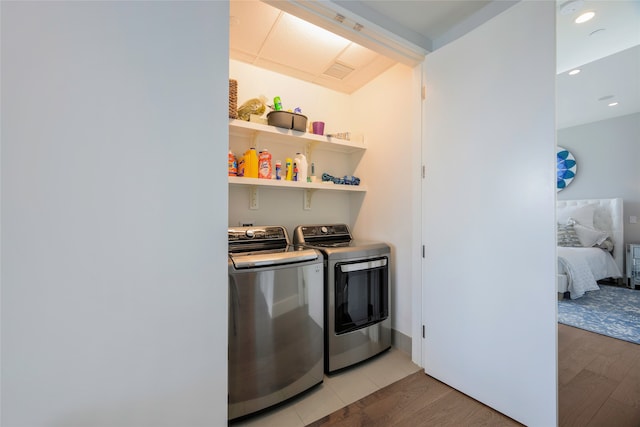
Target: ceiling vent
<point>571,7</point>
<point>338,71</point>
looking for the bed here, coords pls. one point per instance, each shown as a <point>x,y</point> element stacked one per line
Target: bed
<point>590,244</point>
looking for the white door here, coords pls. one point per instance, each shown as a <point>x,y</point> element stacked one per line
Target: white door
<point>489,300</point>
<point>114,213</point>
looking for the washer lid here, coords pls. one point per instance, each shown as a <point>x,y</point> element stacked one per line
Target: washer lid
<point>267,258</point>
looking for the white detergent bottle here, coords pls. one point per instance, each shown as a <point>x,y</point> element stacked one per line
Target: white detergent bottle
<point>301,160</point>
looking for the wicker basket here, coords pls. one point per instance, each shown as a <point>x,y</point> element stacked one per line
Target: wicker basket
<point>233,99</point>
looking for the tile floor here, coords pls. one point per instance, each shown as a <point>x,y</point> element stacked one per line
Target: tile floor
<point>337,391</point>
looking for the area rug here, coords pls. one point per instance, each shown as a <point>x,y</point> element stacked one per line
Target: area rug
<point>611,311</point>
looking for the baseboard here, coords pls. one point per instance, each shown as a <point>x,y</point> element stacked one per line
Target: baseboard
<point>401,342</point>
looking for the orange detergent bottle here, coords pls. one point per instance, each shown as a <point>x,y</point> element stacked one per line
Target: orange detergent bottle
<point>251,163</point>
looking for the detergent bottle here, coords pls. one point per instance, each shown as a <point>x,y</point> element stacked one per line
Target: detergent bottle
<point>288,164</point>
<point>251,163</point>
<point>264,164</point>
<point>233,164</point>
<point>301,162</point>
<point>241,165</point>
<point>278,169</point>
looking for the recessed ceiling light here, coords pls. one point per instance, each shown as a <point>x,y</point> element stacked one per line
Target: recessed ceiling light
<point>613,104</point>
<point>574,72</point>
<point>585,17</point>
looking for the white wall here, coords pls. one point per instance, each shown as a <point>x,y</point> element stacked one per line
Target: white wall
<point>316,102</point>
<point>113,240</point>
<point>285,207</point>
<point>389,109</point>
<point>608,156</point>
<point>489,201</point>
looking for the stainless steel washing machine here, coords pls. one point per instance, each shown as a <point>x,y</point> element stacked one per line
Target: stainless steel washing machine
<point>357,293</point>
<point>276,319</point>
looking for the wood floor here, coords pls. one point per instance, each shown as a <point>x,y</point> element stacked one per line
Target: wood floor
<point>598,380</point>
<point>598,385</point>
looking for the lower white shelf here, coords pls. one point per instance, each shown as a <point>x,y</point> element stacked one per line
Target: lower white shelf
<point>235,180</point>
<point>309,188</point>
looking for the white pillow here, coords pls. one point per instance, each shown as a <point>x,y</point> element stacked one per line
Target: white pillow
<point>568,237</point>
<point>583,215</point>
<point>589,236</point>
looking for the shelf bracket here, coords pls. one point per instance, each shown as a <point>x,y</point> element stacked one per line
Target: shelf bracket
<point>307,152</point>
<point>253,197</point>
<point>254,141</point>
<point>306,205</point>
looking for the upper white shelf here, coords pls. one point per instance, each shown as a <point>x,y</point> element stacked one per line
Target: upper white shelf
<point>318,142</point>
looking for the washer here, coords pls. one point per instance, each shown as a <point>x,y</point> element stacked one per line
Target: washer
<point>276,319</point>
<point>357,293</point>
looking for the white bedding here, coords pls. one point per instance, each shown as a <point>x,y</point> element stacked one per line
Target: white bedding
<point>583,267</point>
<point>599,215</point>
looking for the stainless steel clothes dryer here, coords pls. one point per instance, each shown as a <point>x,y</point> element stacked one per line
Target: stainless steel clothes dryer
<point>357,293</point>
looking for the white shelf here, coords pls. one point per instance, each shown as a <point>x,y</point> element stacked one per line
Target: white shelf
<point>315,142</point>
<point>307,187</point>
<point>257,182</point>
<point>254,131</point>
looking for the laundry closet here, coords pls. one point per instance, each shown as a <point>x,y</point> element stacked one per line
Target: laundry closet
<point>368,140</point>
<point>383,120</point>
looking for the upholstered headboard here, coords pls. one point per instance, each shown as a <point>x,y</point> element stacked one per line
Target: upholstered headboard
<point>608,216</point>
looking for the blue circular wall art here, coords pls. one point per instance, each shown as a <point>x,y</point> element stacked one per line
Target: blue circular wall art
<point>566,168</point>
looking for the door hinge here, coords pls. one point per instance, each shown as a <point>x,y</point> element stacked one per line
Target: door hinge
<point>423,250</point>
<point>423,92</point>
<point>423,334</point>
<point>424,171</point>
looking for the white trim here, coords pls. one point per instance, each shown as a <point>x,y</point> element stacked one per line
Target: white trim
<point>417,263</point>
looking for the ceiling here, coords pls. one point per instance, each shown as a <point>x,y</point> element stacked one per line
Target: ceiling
<point>607,51</point>
<point>605,48</point>
<point>269,38</point>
